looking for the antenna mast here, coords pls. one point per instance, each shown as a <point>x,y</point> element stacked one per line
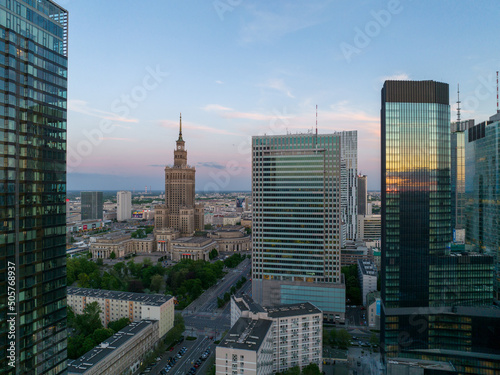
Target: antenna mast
<point>458,102</point>
<point>316,125</point>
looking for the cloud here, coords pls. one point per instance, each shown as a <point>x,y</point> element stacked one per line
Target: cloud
<point>219,82</point>
<point>118,139</point>
<point>215,107</point>
<point>169,124</point>
<point>279,85</point>
<point>210,164</point>
<point>83,107</point>
<point>156,166</point>
<point>395,77</point>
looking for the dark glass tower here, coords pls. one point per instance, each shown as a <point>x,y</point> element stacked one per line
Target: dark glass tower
<point>91,205</point>
<point>434,303</point>
<point>362,203</point>
<point>33,62</point>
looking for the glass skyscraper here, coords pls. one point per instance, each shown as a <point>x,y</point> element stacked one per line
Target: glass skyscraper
<point>433,302</point>
<point>91,205</point>
<point>33,37</point>
<point>296,224</point>
<point>483,192</point>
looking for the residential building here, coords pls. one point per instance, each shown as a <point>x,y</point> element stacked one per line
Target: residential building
<point>122,353</point>
<point>246,349</point>
<point>180,210</point>
<point>92,205</point>
<point>362,201</point>
<point>231,219</point>
<point>116,305</point>
<point>296,221</point>
<point>483,192</point>
<point>349,183</point>
<point>34,40</point>
<point>123,205</point>
<point>195,248</point>
<point>448,294</point>
<point>295,331</point>
<point>367,275</point>
<point>232,238</point>
<point>369,227</point>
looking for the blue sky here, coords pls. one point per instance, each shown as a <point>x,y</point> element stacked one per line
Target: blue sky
<point>237,68</point>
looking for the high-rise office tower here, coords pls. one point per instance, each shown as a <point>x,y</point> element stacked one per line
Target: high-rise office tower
<point>483,192</point>
<point>123,205</point>
<point>349,183</point>
<point>458,137</point>
<point>180,211</point>
<point>362,202</point>
<point>435,305</point>
<point>92,206</point>
<point>33,35</point>
<point>296,228</point>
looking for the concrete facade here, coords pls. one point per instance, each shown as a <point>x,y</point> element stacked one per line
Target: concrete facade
<point>196,248</point>
<point>123,205</point>
<point>121,244</point>
<point>367,274</point>
<point>121,353</point>
<point>117,305</point>
<point>232,238</point>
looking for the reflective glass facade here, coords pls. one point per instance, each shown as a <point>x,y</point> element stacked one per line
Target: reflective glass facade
<point>296,215</point>
<point>92,205</point>
<point>33,62</point>
<point>483,192</point>
<point>430,297</point>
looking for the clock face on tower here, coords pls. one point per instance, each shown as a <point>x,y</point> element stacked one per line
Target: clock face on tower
<point>178,147</point>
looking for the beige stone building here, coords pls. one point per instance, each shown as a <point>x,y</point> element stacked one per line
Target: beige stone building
<point>180,211</point>
<point>232,238</point>
<point>116,305</point>
<point>121,244</point>
<point>164,237</point>
<point>122,353</point>
<point>195,248</point>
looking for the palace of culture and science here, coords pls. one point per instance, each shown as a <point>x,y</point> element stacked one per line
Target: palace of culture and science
<point>179,216</point>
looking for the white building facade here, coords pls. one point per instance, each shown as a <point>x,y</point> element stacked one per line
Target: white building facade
<point>123,205</point>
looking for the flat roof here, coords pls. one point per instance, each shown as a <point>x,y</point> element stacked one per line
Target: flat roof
<point>367,267</point>
<point>197,239</point>
<point>147,299</point>
<point>424,364</point>
<point>251,305</point>
<point>247,334</point>
<point>104,349</point>
<point>293,310</point>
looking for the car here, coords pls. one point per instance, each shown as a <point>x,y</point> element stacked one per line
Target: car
<point>158,359</point>
<point>163,372</point>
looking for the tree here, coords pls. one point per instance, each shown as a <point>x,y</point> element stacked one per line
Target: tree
<point>156,283</point>
<point>99,262</point>
<point>213,254</point>
<point>295,370</point>
<point>135,286</point>
<point>83,280</point>
<point>374,339</point>
<point>90,320</point>
<point>119,324</point>
<point>208,226</point>
<point>333,337</point>
<point>311,369</point>
<point>112,255</point>
<point>343,339</point>
<point>102,334</point>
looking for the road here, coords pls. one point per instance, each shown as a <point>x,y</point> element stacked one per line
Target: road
<point>355,316</point>
<point>202,317</point>
<point>194,351</point>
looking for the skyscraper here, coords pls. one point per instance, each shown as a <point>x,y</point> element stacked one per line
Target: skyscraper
<point>428,293</point>
<point>362,202</point>
<point>349,183</point>
<point>296,227</point>
<point>92,205</point>
<point>123,205</point>
<point>33,35</point>
<point>180,211</point>
<point>483,192</point>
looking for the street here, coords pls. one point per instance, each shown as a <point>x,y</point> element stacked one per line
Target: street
<point>202,317</point>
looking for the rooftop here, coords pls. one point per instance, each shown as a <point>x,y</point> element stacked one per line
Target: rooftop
<point>147,299</point>
<point>292,310</point>
<point>367,267</point>
<point>192,240</point>
<point>104,349</point>
<point>247,334</point>
<point>424,364</point>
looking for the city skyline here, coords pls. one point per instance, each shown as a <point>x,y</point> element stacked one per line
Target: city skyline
<point>264,68</point>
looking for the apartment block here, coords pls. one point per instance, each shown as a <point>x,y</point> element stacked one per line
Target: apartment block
<point>122,353</point>
<point>116,305</point>
<point>367,274</point>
